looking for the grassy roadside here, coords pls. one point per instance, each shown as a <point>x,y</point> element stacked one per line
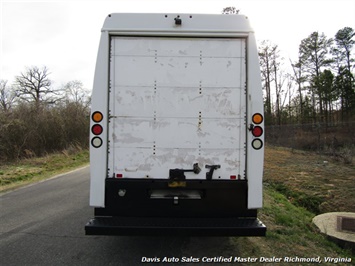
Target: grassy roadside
<point>32,170</point>
<point>309,180</point>
<point>290,233</point>
<point>298,186</point>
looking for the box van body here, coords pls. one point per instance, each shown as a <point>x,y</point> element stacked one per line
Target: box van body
<point>176,140</point>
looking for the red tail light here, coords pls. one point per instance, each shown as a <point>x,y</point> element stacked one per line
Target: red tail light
<point>257,131</point>
<point>96,129</point>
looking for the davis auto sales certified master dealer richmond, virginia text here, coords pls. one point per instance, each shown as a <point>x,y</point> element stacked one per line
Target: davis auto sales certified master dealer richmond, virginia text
<point>233,259</point>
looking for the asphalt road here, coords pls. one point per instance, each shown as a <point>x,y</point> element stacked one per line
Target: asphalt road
<point>43,224</point>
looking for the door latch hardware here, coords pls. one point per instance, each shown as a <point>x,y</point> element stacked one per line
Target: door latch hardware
<point>212,168</point>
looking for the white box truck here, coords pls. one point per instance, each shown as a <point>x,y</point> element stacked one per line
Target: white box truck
<point>176,141</point>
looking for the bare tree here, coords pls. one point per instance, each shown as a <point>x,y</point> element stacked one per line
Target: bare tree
<point>6,96</point>
<point>35,86</point>
<point>75,92</point>
<point>278,79</point>
<point>300,78</point>
<point>267,59</point>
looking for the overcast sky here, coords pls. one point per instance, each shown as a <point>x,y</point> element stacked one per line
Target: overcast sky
<point>64,35</point>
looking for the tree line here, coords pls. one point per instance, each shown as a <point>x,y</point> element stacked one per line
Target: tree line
<point>317,87</point>
<point>37,119</point>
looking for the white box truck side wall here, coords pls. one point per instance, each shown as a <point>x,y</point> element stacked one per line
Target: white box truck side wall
<point>98,151</point>
<point>255,156</point>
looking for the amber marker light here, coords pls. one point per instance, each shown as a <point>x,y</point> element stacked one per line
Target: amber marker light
<point>97,117</point>
<point>257,118</point>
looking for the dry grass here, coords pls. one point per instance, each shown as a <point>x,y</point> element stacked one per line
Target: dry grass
<point>315,182</point>
<point>290,233</point>
<point>297,185</point>
<point>31,170</point>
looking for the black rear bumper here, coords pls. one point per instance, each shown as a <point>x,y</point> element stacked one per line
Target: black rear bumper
<point>175,226</point>
<point>196,208</point>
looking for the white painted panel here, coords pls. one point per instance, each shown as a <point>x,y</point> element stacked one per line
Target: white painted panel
<point>143,164</point>
<point>187,102</point>
<point>177,47</point>
<point>194,25</point>
<point>188,133</point>
<point>179,72</point>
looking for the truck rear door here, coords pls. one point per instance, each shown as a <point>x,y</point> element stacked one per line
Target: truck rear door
<point>174,102</point>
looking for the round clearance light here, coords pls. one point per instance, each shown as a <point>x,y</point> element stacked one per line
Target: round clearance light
<point>96,129</point>
<point>257,131</point>
<point>257,118</point>
<point>257,144</point>
<point>97,117</point>
<point>96,142</point>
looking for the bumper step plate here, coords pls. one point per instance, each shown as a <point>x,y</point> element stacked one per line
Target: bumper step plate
<point>175,226</point>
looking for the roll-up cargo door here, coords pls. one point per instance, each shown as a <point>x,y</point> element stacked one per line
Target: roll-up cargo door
<point>175,102</point>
